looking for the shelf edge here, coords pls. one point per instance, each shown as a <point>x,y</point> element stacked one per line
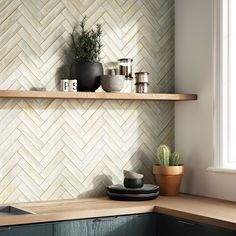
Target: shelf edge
<point>94,95</point>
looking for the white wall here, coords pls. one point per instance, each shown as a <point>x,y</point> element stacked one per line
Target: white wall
<point>194,120</point>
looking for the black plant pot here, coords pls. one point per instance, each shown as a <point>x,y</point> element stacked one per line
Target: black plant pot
<point>87,74</point>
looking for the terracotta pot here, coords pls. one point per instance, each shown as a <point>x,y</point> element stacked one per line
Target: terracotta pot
<point>168,178</point>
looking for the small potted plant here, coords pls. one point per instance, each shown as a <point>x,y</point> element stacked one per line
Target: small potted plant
<point>168,172</point>
<point>87,48</point>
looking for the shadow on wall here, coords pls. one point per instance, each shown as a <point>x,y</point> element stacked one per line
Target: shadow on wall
<point>188,178</point>
<point>146,126</point>
<point>100,182</point>
<point>156,127</point>
<point>67,56</point>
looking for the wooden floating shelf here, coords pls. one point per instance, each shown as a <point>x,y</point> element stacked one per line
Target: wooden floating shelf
<point>96,96</point>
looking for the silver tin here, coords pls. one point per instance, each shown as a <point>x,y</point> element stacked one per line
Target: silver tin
<point>141,87</point>
<point>64,85</point>
<point>141,77</point>
<point>73,85</point>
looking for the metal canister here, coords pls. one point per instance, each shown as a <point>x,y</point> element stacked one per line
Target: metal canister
<point>141,79</point>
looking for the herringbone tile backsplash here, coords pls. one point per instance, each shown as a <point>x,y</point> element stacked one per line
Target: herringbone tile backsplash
<point>54,149</point>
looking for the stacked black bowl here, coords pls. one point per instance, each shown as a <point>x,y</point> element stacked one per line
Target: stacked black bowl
<point>133,189</point>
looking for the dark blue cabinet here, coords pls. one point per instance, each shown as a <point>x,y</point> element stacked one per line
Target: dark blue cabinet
<point>27,230</point>
<point>172,226</point>
<point>132,225</point>
<point>136,225</point>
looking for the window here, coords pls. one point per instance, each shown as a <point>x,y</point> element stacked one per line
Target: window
<point>225,83</point>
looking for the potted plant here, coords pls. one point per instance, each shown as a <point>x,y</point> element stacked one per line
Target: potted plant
<point>168,172</point>
<point>87,48</point>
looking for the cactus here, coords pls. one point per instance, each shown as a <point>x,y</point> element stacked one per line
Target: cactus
<point>163,155</point>
<point>175,159</point>
<point>166,158</point>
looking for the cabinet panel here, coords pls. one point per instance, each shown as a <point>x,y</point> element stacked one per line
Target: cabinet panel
<point>168,225</point>
<point>27,230</point>
<point>137,225</point>
<point>75,228</point>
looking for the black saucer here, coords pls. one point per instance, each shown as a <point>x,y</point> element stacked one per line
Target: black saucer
<point>146,189</point>
<point>133,197</point>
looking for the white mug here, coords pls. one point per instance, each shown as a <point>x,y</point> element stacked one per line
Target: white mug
<point>64,84</point>
<point>73,85</point>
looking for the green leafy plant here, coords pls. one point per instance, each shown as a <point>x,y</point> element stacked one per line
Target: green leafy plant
<point>87,43</point>
<point>166,158</point>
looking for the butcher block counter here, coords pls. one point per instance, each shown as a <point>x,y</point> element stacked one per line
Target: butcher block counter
<point>200,209</point>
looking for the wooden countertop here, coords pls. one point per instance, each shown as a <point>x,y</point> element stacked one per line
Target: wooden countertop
<point>200,209</point>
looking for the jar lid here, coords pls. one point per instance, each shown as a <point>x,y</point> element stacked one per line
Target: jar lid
<point>142,73</point>
<point>125,59</point>
<point>137,83</point>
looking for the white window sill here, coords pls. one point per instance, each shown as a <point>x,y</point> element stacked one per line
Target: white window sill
<point>221,170</point>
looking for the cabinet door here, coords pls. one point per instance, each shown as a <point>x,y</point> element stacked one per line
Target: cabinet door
<point>168,225</point>
<point>74,228</point>
<point>172,226</point>
<point>27,230</point>
<point>136,225</point>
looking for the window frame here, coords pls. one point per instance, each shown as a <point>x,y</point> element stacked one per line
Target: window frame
<point>220,72</point>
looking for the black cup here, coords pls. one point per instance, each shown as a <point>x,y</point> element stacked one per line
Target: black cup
<point>133,183</point>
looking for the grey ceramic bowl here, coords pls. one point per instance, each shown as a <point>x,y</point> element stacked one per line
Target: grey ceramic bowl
<point>132,175</point>
<point>112,83</point>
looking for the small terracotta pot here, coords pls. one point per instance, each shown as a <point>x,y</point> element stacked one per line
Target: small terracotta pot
<point>168,178</point>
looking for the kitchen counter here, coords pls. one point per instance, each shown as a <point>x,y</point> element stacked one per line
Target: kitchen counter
<point>205,210</point>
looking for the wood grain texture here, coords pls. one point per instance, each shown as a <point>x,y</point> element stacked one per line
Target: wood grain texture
<point>137,225</point>
<point>205,210</point>
<point>96,96</point>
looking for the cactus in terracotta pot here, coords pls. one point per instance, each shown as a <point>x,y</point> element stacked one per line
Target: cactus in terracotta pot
<point>169,172</point>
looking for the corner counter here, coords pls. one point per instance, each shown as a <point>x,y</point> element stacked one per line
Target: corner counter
<point>203,210</point>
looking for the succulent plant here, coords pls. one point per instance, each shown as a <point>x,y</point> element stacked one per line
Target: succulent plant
<point>166,158</point>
